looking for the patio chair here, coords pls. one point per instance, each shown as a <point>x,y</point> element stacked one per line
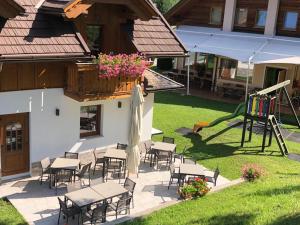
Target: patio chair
<point>71,155</point>
<point>123,204</point>
<point>180,156</point>
<point>213,179</point>
<point>62,177</point>
<point>173,175</point>
<point>74,186</point>
<point>162,156</point>
<point>114,167</point>
<point>149,152</point>
<point>99,159</point>
<point>189,160</point>
<point>130,185</point>
<point>121,146</point>
<point>168,140</point>
<point>45,163</point>
<point>85,170</point>
<point>67,212</point>
<point>96,215</point>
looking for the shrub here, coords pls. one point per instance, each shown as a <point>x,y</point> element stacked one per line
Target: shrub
<point>194,189</point>
<point>252,172</point>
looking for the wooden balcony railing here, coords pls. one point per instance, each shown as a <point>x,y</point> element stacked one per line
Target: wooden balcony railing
<point>84,84</point>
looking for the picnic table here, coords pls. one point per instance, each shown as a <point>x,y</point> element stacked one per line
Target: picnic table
<point>162,147</point>
<point>63,164</point>
<point>94,194</point>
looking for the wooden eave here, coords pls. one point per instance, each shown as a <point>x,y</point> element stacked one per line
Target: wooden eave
<point>175,9</point>
<point>10,9</point>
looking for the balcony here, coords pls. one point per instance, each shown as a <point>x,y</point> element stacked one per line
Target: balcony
<point>84,84</point>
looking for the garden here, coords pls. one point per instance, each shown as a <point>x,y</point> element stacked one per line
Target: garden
<point>272,199</point>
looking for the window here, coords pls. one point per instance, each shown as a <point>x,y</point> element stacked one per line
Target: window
<point>216,15</point>
<point>14,137</point>
<point>241,17</point>
<point>90,117</point>
<point>290,20</point>
<point>261,18</point>
<point>94,36</point>
<point>231,69</point>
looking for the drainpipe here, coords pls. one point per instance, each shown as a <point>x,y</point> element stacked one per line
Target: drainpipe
<point>188,77</point>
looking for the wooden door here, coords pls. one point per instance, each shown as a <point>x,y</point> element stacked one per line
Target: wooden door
<point>14,140</point>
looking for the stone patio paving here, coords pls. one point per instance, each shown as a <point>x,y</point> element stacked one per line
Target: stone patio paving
<point>39,205</point>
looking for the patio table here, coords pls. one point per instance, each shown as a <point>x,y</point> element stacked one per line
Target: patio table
<point>113,153</point>
<point>109,190</point>
<point>163,147</point>
<point>84,197</point>
<point>63,164</point>
<point>191,169</point>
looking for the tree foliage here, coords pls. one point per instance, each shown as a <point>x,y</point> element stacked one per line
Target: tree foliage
<point>165,5</point>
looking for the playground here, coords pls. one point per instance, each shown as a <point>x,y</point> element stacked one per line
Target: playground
<point>253,203</point>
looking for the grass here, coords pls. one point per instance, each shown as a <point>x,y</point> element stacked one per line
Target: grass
<point>9,215</point>
<point>273,200</point>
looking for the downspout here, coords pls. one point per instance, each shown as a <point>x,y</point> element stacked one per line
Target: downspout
<point>188,77</point>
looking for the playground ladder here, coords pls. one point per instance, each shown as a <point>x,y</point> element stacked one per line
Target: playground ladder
<point>278,135</point>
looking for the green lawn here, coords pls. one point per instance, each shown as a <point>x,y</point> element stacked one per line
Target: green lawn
<point>273,200</point>
<point>9,215</point>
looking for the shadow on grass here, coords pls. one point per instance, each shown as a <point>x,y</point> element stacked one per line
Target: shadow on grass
<point>285,190</point>
<point>230,219</point>
<point>287,220</point>
<point>173,98</point>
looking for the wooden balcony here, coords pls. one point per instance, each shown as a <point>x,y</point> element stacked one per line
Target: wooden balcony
<point>84,84</point>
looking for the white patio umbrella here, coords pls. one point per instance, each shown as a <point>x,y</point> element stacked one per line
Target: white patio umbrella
<point>135,131</point>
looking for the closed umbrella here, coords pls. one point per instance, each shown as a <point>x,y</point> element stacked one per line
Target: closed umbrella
<point>135,130</point>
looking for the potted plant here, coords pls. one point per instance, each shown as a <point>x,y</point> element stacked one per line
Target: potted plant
<point>194,189</point>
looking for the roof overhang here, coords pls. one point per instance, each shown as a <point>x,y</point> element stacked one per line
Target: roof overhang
<point>10,9</point>
<point>244,47</point>
<point>73,8</point>
<point>154,82</point>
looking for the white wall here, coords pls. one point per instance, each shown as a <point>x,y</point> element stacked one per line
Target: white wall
<point>52,135</point>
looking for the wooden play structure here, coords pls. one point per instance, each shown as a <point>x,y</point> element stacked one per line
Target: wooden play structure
<point>262,107</point>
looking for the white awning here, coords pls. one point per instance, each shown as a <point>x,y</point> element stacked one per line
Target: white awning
<point>240,46</point>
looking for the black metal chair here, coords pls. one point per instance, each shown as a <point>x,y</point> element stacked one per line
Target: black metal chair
<point>180,156</point>
<point>189,160</point>
<point>62,177</point>
<point>130,185</point>
<point>149,152</point>
<point>168,140</point>
<point>96,215</point>
<point>67,212</point>
<point>174,175</point>
<point>123,204</point>
<point>114,167</point>
<point>99,159</point>
<point>45,163</point>
<point>214,178</point>
<point>71,155</point>
<point>84,171</point>
<point>121,146</point>
<point>162,156</point>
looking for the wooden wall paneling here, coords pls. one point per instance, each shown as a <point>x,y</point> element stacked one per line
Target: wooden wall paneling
<point>197,13</point>
<point>9,77</point>
<point>57,74</point>
<point>253,6</point>
<point>26,76</point>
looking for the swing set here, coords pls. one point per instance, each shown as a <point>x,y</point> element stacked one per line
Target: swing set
<point>262,107</point>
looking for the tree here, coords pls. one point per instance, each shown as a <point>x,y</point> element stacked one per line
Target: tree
<point>164,5</point>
